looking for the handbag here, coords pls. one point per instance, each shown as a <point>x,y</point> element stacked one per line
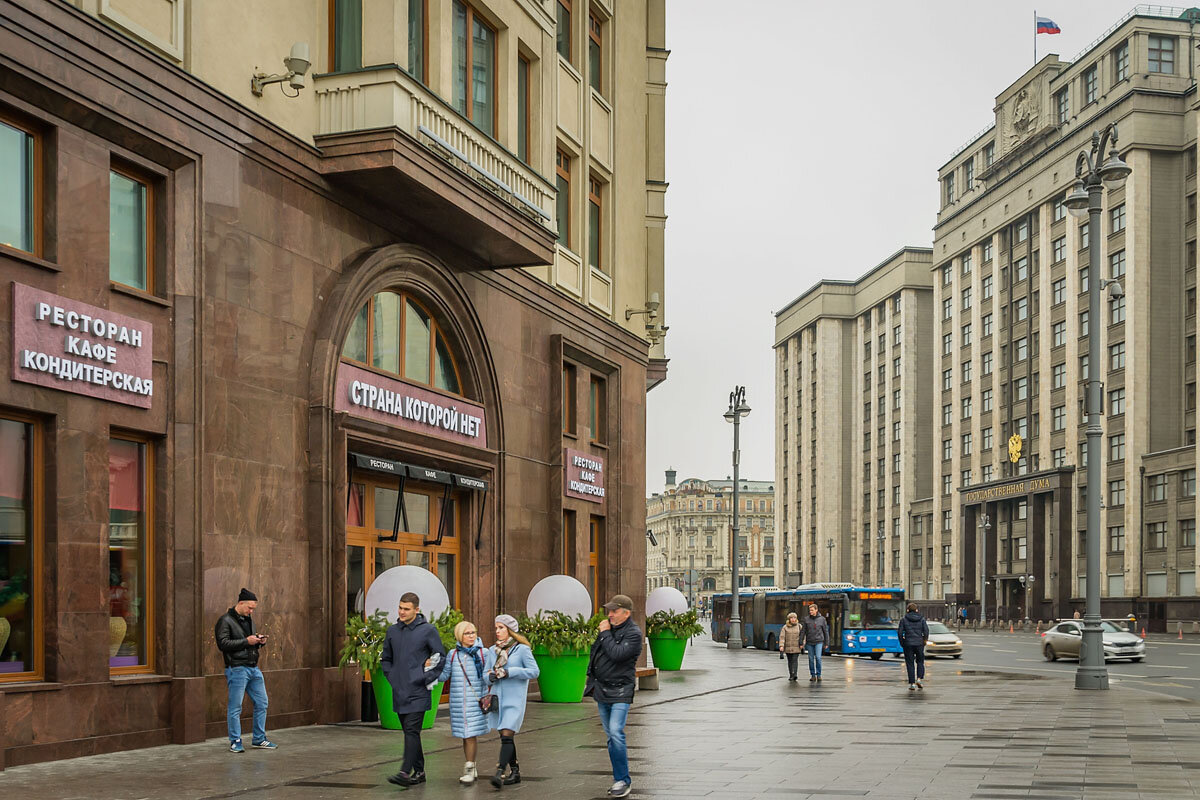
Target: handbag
<point>487,702</point>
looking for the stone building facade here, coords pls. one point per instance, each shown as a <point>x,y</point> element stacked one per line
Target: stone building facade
<point>852,398</point>
<point>693,525</point>
<point>373,316</point>
<point>998,431</point>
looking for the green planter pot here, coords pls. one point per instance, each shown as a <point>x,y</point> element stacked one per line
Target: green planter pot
<point>383,699</point>
<point>667,651</point>
<point>562,677</point>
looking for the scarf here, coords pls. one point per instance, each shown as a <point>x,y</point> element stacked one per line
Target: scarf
<point>502,652</point>
<point>476,654</point>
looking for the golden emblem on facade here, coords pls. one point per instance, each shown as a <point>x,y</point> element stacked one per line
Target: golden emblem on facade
<point>1014,448</point>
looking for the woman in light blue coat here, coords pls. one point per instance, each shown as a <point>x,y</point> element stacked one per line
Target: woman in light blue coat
<point>466,670</point>
<point>512,670</point>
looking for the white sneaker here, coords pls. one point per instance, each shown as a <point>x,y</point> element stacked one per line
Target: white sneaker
<point>919,686</point>
<point>620,789</point>
<point>469,774</point>
<point>912,687</point>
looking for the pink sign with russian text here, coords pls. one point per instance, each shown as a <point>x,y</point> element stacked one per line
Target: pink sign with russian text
<point>404,405</point>
<point>583,476</point>
<point>64,344</point>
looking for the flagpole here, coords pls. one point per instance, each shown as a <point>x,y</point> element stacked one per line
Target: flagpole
<point>1035,37</point>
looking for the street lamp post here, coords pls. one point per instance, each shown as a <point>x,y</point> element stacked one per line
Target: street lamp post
<point>830,544</point>
<point>1086,197</point>
<point>985,525</point>
<point>737,410</point>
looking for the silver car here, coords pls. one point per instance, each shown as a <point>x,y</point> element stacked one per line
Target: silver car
<point>943,641</point>
<point>1063,640</point>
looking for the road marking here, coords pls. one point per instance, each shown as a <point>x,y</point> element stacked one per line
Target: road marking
<point>998,650</point>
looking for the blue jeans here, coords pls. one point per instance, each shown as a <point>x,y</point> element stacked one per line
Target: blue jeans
<point>612,717</point>
<point>242,681</point>
<point>814,658</point>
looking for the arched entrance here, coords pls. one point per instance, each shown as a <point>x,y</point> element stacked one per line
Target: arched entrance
<point>404,435</point>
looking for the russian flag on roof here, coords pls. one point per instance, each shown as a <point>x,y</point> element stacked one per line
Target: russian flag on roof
<point>1045,25</point>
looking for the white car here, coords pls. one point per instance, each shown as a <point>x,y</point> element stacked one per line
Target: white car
<point>943,641</point>
<point>1063,640</point>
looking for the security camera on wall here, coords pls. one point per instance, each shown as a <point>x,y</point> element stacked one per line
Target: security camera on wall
<point>297,64</point>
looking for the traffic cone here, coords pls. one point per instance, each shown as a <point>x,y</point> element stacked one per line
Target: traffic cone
<point>1143,632</point>
<point>1038,629</point>
<point>1181,630</point>
<point>1010,627</point>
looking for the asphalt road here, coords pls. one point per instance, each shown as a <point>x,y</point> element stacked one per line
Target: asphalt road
<point>1171,667</point>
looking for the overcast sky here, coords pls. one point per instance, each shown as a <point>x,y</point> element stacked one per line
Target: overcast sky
<point>803,142</point>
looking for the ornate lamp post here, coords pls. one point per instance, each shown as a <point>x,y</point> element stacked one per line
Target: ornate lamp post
<point>830,544</point>
<point>1086,198</point>
<point>737,410</point>
<point>985,525</point>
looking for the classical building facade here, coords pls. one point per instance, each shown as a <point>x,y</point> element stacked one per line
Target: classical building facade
<point>997,429</point>
<point>400,306</point>
<point>1011,275</point>
<point>693,525</point>
<point>852,396</point>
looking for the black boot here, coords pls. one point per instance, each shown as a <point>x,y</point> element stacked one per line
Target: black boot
<point>498,779</point>
<point>514,774</point>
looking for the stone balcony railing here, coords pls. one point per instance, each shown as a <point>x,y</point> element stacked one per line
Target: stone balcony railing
<point>388,97</point>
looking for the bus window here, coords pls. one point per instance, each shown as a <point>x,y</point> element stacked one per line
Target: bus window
<point>877,613</point>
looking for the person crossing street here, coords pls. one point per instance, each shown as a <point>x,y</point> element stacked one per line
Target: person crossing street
<point>914,634</point>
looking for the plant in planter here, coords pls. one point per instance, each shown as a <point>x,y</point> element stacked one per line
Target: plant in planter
<point>364,647</point>
<point>561,644</point>
<point>669,634</point>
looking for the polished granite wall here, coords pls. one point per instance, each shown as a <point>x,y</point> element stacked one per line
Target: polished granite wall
<point>262,264</point>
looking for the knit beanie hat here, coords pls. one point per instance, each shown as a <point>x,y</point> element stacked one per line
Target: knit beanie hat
<point>246,594</point>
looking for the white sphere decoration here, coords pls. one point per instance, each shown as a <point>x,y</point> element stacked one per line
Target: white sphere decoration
<point>665,598</point>
<point>559,593</point>
<point>384,592</point>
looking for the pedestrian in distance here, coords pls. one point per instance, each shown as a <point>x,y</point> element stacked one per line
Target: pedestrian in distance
<point>914,635</point>
<point>464,672</point>
<point>815,636</point>
<point>239,645</point>
<point>789,643</point>
<point>1077,615</point>
<point>611,670</point>
<point>412,654</point>
<point>513,667</point>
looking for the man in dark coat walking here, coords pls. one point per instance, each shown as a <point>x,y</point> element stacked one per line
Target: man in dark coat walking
<point>412,653</point>
<point>611,674</point>
<point>239,646</point>
<point>914,633</point>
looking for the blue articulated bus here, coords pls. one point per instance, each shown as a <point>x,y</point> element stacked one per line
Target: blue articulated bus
<point>862,620</point>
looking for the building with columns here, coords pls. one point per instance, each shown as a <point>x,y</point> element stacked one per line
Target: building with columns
<point>1011,276</point>
<point>692,523</point>
<point>853,389</point>
<point>996,434</point>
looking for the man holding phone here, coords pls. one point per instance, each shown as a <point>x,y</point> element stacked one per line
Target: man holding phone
<point>239,645</point>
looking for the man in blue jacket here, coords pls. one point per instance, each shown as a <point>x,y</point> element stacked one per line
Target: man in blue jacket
<point>412,653</point>
<point>914,633</point>
<point>611,675</point>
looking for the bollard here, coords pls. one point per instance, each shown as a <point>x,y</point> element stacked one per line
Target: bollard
<point>1196,627</point>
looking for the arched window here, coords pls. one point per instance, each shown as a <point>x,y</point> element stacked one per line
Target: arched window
<point>709,585</point>
<point>394,333</point>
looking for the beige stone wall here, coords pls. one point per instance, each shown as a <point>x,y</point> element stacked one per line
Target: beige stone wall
<point>616,135</point>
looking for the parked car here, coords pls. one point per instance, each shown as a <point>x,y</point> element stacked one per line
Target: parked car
<point>1063,640</point>
<point>943,641</point>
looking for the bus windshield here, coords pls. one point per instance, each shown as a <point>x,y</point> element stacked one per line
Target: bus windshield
<point>875,614</point>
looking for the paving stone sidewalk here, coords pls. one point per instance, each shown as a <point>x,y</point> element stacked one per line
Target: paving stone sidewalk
<point>728,726</point>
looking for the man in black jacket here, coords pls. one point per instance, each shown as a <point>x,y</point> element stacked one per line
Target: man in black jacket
<point>914,633</point>
<point>239,645</point>
<point>411,658</point>
<point>611,675</point>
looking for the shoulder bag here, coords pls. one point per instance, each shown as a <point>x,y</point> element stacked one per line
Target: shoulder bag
<point>488,701</point>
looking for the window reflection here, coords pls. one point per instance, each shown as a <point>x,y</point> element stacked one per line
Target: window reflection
<point>127,555</point>
<point>16,551</point>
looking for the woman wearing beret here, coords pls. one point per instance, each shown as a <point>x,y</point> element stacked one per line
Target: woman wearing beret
<point>512,670</point>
